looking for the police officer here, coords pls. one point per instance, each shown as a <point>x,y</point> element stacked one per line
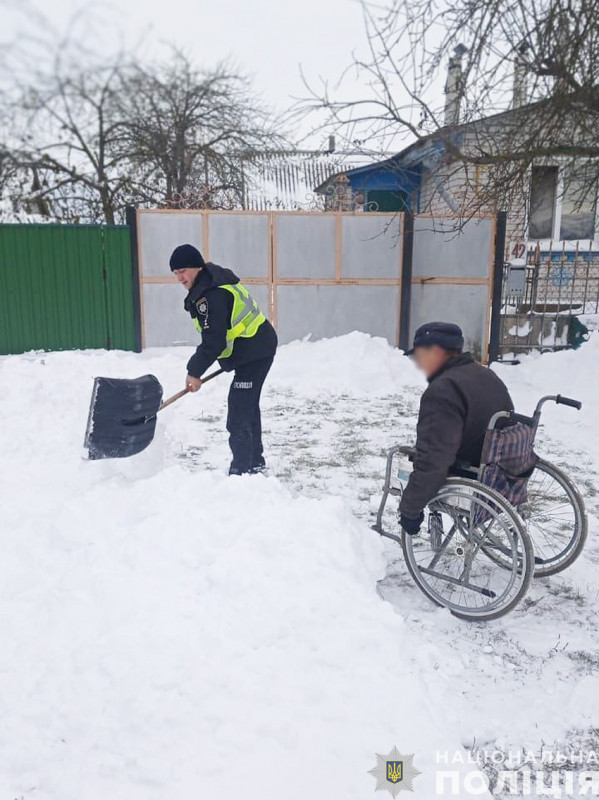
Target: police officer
<point>237,334</point>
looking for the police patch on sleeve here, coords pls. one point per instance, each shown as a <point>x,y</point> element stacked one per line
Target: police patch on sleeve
<point>203,316</point>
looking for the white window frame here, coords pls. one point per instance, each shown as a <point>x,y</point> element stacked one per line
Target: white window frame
<point>555,243</point>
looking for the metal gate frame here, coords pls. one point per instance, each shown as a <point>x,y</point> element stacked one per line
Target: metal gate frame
<point>481,272</point>
<point>539,298</point>
<point>494,268</point>
<point>272,280</point>
<point>339,280</point>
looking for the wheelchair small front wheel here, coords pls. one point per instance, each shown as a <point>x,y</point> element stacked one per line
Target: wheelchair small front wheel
<point>450,561</point>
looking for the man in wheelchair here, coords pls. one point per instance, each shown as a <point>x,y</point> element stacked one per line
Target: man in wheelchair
<point>455,410</point>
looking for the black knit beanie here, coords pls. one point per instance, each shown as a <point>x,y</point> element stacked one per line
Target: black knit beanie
<point>186,255</point>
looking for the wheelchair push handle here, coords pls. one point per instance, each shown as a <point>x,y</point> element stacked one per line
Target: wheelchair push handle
<point>568,401</point>
<point>557,398</point>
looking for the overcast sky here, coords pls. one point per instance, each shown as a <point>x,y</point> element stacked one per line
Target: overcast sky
<point>269,39</point>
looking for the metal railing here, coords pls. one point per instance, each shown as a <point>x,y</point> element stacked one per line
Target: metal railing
<point>550,299</point>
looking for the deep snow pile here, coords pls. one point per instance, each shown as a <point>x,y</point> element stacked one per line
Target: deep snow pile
<point>169,632</point>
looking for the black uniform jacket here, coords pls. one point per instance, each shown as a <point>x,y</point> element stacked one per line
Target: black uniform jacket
<point>213,306</point>
<point>454,413</point>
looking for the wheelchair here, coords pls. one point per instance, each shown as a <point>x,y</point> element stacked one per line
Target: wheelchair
<point>484,539</point>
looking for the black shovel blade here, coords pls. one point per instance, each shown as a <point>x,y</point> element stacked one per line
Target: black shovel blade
<point>122,416</point>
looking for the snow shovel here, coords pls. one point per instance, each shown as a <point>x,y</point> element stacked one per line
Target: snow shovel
<point>122,415</point>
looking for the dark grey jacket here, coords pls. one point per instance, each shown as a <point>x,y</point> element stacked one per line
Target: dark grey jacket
<point>454,413</point>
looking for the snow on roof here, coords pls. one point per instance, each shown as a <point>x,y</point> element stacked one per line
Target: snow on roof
<point>287,181</point>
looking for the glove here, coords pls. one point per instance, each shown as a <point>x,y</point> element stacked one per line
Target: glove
<point>410,525</point>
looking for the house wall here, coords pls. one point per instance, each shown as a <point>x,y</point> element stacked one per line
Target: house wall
<point>454,187</point>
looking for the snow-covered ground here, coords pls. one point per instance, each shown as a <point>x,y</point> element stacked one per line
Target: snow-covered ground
<point>171,633</point>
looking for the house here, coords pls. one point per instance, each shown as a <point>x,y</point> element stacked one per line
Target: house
<point>552,228</point>
<point>430,176</point>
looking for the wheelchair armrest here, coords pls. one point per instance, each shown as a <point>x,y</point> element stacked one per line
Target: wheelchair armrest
<point>409,451</point>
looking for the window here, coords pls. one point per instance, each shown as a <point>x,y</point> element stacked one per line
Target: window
<point>562,204</point>
<point>577,208</point>
<point>543,193</point>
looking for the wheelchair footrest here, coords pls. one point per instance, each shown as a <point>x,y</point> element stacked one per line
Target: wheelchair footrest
<point>379,529</point>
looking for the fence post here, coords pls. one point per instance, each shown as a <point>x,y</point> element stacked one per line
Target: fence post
<point>406,281</point>
<point>496,299</point>
<point>131,220</point>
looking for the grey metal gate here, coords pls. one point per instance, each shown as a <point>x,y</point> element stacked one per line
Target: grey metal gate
<point>326,273</point>
<point>320,274</point>
<point>452,276</point>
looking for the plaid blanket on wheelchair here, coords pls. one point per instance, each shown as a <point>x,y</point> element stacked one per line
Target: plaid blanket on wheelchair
<point>509,458</point>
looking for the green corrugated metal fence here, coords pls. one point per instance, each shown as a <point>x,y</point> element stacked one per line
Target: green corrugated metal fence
<point>64,287</point>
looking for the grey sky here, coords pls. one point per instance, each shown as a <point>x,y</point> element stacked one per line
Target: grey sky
<point>267,38</point>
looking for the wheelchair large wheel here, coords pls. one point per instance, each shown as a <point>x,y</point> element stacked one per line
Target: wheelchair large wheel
<point>555,519</point>
<point>450,560</point>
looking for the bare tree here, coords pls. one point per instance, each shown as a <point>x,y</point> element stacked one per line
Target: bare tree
<point>85,135</point>
<point>537,58</point>
<point>67,141</point>
<point>189,133</point>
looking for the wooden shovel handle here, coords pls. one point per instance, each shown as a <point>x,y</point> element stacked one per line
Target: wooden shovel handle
<point>183,392</point>
<point>172,399</point>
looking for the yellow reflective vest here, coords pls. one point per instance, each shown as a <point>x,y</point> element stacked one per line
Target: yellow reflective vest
<point>246,317</point>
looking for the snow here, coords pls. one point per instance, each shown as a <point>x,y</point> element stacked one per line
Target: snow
<point>169,632</point>
<point>591,320</point>
<point>8,214</point>
<point>520,330</point>
<point>567,372</point>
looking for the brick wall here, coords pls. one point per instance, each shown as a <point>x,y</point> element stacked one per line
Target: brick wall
<point>453,188</point>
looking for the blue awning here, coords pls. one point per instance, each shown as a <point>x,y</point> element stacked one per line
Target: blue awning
<point>384,177</point>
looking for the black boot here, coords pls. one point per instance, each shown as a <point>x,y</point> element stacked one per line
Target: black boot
<point>258,467</point>
<point>241,448</point>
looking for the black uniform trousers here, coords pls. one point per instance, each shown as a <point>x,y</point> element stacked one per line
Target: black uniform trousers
<point>243,420</point>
